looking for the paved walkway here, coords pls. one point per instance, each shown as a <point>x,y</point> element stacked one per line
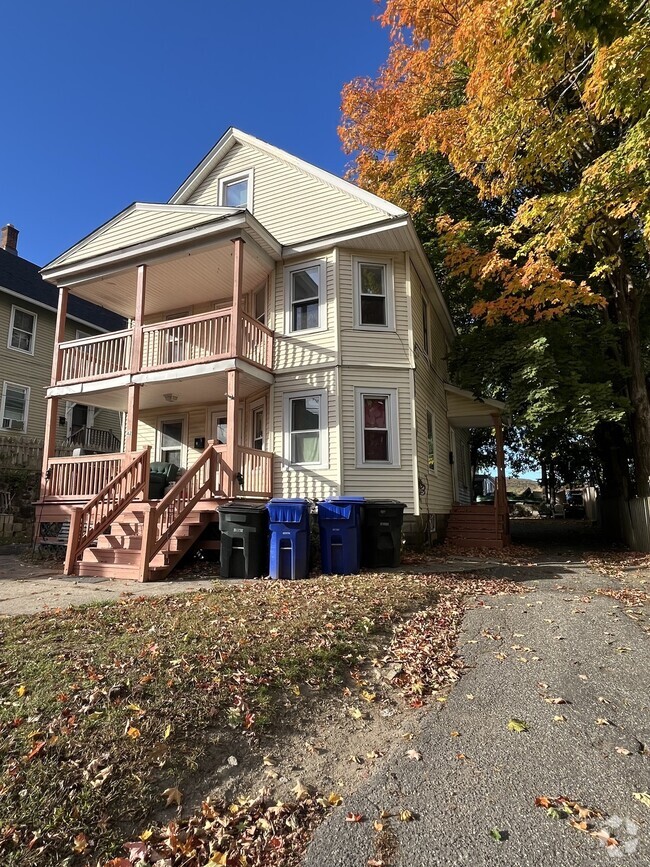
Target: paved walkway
<point>559,641</point>
<point>26,588</point>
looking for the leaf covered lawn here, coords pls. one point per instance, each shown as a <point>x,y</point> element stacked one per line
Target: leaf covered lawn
<point>107,712</point>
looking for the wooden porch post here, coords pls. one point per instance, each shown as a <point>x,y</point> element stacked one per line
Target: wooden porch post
<point>501,497</point>
<point>136,345</point>
<point>133,397</point>
<point>52,411</point>
<point>132,416</point>
<point>235,321</point>
<point>232,443</point>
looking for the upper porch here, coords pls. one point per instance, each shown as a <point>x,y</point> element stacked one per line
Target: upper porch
<point>193,282</point>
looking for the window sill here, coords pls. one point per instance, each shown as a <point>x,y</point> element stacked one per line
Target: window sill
<point>373,465</point>
<point>382,328</point>
<point>318,330</point>
<point>22,351</point>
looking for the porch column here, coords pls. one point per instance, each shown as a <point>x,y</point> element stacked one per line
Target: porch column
<point>136,340</point>
<point>132,416</point>
<point>501,497</point>
<point>52,410</point>
<point>232,444</point>
<point>235,320</point>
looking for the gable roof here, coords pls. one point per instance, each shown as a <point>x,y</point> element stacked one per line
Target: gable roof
<point>235,136</point>
<point>22,279</point>
<point>138,223</point>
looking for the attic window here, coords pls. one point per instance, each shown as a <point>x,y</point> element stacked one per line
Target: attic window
<point>236,191</point>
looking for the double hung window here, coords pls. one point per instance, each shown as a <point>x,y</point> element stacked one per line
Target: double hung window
<point>377,428</point>
<point>15,403</point>
<point>306,426</point>
<point>373,295</point>
<point>22,330</point>
<point>305,289</point>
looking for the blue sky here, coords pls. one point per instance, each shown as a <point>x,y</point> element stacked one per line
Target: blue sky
<point>106,103</point>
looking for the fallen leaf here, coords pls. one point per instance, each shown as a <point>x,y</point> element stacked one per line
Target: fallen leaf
<point>644,797</point>
<point>353,817</point>
<point>168,731</point>
<point>173,795</point>
<point>355,713</point>
<point>414,755</point>
<point>552,700</point>
<point>559,718</point>
<point>517,725</point>
<point>334,799</point>
<point>133,732</point>
<point>623,751</point>
<point>496,834</point>
<point>21,690</point>
<point>454,734</point>
<point>81,844</point>
<point>601,721</point>
<point>300,791</point>
<point>368,696</point>
<point>604,836</point>
<point>377,825</point>
<point>406,816</point>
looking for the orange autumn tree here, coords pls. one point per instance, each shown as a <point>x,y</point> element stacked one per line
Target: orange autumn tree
<point>543,106</point>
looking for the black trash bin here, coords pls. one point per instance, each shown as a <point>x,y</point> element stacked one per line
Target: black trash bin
<point>244,540</point>
<point>381,534</point>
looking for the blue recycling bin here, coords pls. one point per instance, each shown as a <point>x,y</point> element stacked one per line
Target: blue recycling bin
<point>289,538</point>
<point>339,520</point>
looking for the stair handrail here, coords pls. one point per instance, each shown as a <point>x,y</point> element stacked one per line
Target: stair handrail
<point>89,521</point>
<point>169,513</point>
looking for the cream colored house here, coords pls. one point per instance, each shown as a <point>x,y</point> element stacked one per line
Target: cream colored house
<point>287,338</point>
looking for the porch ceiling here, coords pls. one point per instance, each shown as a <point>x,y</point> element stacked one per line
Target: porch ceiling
<point>203,390</point>
<point>192,277</point>
<point>465,410</point>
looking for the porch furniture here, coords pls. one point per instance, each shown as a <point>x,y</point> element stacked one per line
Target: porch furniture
<point>161,474</point>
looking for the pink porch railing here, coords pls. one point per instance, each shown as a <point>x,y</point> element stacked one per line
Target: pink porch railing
<point>179,342</point>
<point>165,345</point>
<point>96,357</point>
<point>257,472</point>
<point>80,478</point>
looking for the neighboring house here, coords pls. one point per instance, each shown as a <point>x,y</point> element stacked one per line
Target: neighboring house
<point>288,338</point>
<point>28,310</point>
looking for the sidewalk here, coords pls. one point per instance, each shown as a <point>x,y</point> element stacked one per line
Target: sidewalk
<point>475,775</point>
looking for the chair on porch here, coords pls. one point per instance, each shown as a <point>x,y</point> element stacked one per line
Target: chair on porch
<point>161,474</point>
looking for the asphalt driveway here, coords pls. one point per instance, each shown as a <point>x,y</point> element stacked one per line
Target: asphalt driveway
<point>523,653</point>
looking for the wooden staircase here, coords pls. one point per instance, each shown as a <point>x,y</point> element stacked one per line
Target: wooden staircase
<point>118,552</point>
<point>478,526</point>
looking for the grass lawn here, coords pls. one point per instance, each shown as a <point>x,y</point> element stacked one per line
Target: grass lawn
<point>105,708</point>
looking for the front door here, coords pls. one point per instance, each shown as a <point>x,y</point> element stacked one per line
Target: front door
<point>171,441</point>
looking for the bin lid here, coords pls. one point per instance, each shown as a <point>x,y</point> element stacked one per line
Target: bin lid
<point>288,511</point>
<point>383,503</point>
<point>239,506</point>
<point>343,499</point>
<point>337,509</point>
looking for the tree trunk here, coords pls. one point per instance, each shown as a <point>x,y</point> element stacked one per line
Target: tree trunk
<point>628,309</point>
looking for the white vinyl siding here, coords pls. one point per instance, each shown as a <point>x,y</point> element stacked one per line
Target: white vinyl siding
<point>430,398</point>
<point>136,227</point>
<point>305,481</point>
<point>375,480</point>
<point>299,350</point>
<point>292,204</point>
<point>370,346</point>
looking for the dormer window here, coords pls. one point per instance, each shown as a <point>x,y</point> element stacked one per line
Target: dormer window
<point>236,191</point>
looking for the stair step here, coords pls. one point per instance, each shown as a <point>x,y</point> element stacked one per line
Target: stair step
<point>107,570</point>
<point>110,555</point>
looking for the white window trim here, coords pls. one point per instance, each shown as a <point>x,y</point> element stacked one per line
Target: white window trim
<point>426,336</point>
<point>433,471</point>
<point>15,307</point>
<point>254,407</point>
<point>27,391</point>
<point>249,176</point>
<point>182,417</point>
<point>392,407</point>
<point>323,463</point>
<point>387,264</point>
<point>322,290</point>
